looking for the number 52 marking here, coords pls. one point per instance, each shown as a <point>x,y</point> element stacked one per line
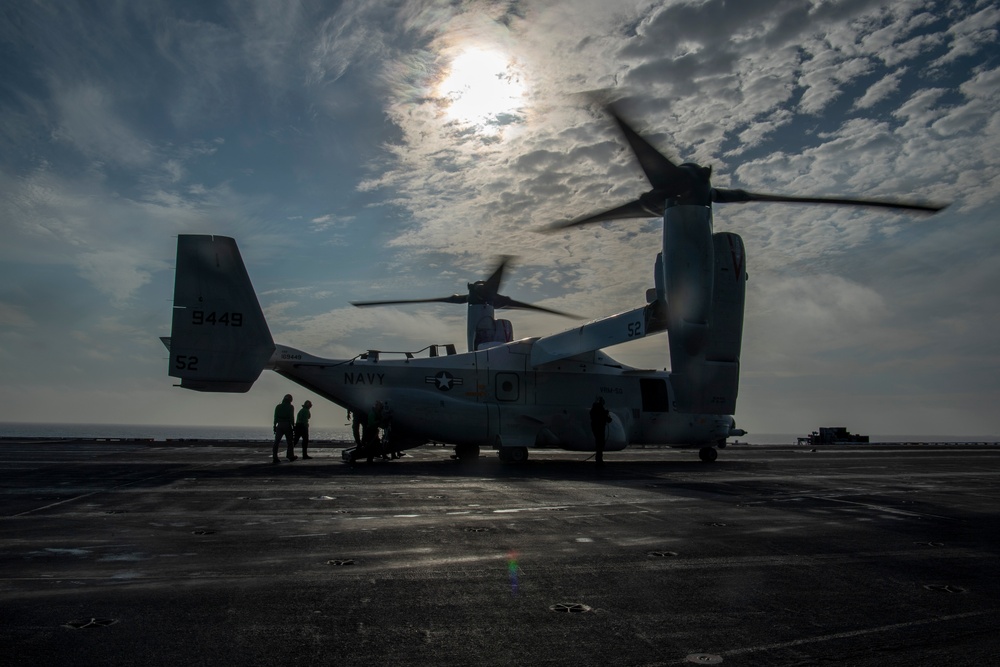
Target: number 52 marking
<point>184,362</point>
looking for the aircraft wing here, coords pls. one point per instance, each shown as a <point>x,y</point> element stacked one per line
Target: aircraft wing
<point>620,328</point>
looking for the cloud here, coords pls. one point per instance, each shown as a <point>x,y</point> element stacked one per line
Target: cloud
<point>880,90</point>
<point>820,312</point>
<point>115,243</point>
<point>319,137</point>
<point>88,121</point>
<point>970,34</point>
<point>14,317</point>
<point>115,272</point>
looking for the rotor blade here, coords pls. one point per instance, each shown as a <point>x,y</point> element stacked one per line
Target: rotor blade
<point>724,196</point>
<point>507,302</point>
<point>662,173</point>
<point>493,282</point>
<point>634,209</point>
<point>454,298</point>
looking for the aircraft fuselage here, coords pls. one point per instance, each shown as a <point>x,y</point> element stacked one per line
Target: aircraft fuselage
<point>494,398</point>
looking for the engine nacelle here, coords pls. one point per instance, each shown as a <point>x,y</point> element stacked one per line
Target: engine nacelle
<point>708,382</point>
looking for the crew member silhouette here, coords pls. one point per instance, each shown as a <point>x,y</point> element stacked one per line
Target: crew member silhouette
<point>369,434</point>
<point>357,418</point>
<point>302,428</point>
<point>599,420</point>
<point>284,413</point>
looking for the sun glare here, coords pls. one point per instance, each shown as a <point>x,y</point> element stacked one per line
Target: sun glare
<point>482,89</point>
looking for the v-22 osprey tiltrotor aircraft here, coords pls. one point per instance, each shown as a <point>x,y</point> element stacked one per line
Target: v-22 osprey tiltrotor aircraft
<point>532,393</point>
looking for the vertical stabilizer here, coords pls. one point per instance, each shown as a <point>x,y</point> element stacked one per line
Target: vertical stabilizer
<point>219,340</point>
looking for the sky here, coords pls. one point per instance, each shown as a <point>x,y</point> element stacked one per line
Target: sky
<point>364,150</point>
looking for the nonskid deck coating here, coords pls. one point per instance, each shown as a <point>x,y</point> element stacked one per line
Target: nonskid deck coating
<point>139,553</point>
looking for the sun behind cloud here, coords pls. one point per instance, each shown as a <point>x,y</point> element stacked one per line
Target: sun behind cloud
<point>482,89</point>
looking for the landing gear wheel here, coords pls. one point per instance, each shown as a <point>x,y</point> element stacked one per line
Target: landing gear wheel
<point>513,454</point>
<point>467,452</point>
<point>708,454</point>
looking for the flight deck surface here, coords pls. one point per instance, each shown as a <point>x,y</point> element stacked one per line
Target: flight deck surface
<point>206,553</point>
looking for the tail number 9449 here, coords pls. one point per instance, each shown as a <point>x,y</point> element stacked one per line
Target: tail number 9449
<point>200,317</point>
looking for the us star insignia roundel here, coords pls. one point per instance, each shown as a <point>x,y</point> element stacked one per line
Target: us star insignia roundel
<point>443,380</point>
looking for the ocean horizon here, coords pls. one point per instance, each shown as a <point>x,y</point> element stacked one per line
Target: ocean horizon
<point>341,433</point>
<point>158,431</point>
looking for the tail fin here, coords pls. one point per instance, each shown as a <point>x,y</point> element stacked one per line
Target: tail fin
<point>219,340</point>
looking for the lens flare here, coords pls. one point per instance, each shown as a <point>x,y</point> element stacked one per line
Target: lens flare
<point>512,571</point>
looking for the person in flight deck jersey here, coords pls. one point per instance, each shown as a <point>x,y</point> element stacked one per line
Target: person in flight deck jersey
<point>284,414</point>
<point>302,428</point>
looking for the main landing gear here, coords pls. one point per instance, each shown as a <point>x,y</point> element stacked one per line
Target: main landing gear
<point>708,454</point>
<point>466,452</point>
